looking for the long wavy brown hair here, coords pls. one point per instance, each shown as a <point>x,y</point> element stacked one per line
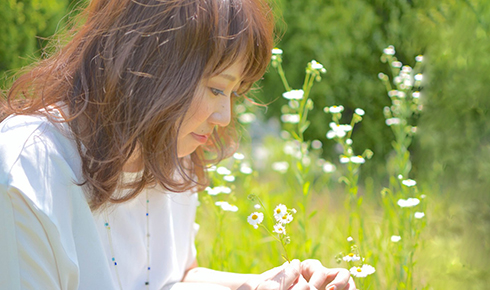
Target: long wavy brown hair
<point>128,76</point>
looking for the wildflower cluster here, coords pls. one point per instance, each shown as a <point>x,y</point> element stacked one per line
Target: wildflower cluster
<point>402,197</point>
<point>281,217</point>
<point>355,262</point>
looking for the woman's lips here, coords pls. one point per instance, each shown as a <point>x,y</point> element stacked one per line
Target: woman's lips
<point>200,138</point>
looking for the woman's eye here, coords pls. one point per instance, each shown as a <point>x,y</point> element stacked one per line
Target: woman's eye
<point>217,92</point>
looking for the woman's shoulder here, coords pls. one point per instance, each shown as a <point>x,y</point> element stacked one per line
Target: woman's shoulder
<point>35,137</point>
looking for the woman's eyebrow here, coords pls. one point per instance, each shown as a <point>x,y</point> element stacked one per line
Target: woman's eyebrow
<point>228,77</point>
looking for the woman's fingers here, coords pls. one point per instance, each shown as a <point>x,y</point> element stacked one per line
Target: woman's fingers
<point>280,278</point>
<point>323,278</point>
<point>341,280</point>
<point>289,275</point>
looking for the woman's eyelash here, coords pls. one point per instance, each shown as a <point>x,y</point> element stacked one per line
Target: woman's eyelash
<point>216,92</point>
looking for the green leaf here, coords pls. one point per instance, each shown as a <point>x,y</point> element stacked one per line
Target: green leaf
<point>312,214</point>
<point>305,126</point>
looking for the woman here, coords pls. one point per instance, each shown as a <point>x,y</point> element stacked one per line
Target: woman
<point>104,145</point>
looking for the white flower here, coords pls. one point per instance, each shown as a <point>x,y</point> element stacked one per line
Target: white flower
<point>328,167</point>
<point>357,159</point>
<point>223,170</point>
<point>238,156</point>
<point>351,257</point>
<point>293,210</point>
<point>359,111</point>
<point>280,167</point>
<point>401,94</point>
<point>416,95</point>
<point>279,228</point>
<point>285,219</point>
<point>294,95</point>
<point>390,50</point>
<point>344,159</point>
<point>255,219</point>
<point>217,190</point>
<point>419,215</point>
<point>392,121</point>
<point>409,182</point>
<point>393,93</point>
<point>247,118</point>
<point>226,206</point>
<point>211,168</point>
<point>419,58</point>
<point>410,202</point>
<point>276,51</point>
<point>363,271</point>
<point>334,109</point>
<point>348,141</point>
<point>280,210</point>
<point>246,169</point>
<point>395,239</point>
<point>396,64</point>
<point>257,206</point>
<point>290,118</point>
<point>350,239</point>
<point>418,77</point>
<point>338,130</point>
<point>316,65</point>
<point>229,178</point>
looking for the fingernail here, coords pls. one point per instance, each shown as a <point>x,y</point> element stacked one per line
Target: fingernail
<point>332,288</point>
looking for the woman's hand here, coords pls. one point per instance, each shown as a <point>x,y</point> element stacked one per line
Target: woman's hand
<point>285,277</point>
<point>326,279</point>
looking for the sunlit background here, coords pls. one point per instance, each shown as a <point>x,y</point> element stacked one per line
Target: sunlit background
<point>449,153</point>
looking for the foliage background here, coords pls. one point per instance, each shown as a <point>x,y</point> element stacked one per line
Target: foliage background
<point>451,152</point>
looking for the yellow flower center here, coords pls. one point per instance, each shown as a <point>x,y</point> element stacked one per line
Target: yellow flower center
<point>254,217</point>
<point>359,270</point>
<point>351,255</point>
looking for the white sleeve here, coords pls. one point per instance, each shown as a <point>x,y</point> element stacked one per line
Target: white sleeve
<point>47,230</point>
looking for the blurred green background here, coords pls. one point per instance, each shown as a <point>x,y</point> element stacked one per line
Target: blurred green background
<point>451,152</point>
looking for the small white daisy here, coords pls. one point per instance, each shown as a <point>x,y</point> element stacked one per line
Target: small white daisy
<point>245,169</point>
<point>229,178</point>
<point>290,118</point>
<point>285,219</point>
<point>351,257</point>
<point>359,111</point>
<point>316,65</point>
<point>294,95</point>
<point>255,219</point>
<point>279,228</point>
<point>390,50</point>
<point>276,51</point>
<point>357,159</point>
<point>395,239</point>
<point>363,271</point>
<point>419,215</point>
<point>334,109</point>
<point>280,210</point>
<point>217,190</point>
<point>409,182</point>
<point>226,206</point>
<point>409,202</point>
<point>350,239</point>
<point>238,156</point>
<point>223,170</point>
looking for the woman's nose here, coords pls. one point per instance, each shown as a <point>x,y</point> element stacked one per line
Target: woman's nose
<point>222,113</point>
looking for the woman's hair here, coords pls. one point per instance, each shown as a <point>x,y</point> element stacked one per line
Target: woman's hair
<point>128,77</point>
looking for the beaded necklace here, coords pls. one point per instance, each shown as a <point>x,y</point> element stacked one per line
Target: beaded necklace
<point>113,257</point>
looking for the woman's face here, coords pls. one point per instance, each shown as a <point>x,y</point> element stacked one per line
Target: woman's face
<point>211,108</point>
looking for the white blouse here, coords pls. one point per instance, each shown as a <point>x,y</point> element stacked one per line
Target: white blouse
<point>49,238</point>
